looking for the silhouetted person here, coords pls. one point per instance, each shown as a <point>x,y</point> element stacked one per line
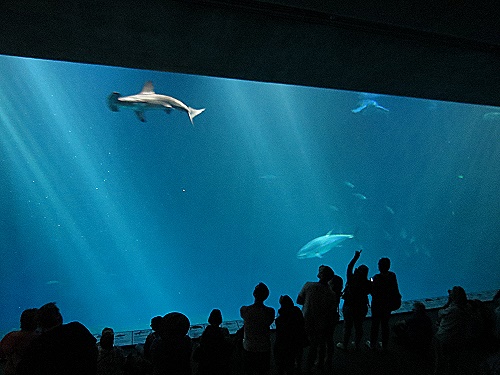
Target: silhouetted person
<point>385,299</point>
<point>110,359</point>
<point>14,344</point>
<point>214,353</point>
<point>416,332</point>
<point>257,319</point>
<point>336,284</point>
<point>482,326</point>
<point>320,310</point>
<point>135,363</point>
<point>171,353</point>
<point>451,335</point>
<point>155,326</point>
<point>61,349</point>
<point>291,337</point>
<point>355,301</point>
<point>496,312</point>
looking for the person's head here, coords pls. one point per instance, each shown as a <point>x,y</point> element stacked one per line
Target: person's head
<point>174,326</point>
<point>215,317</point>
<point>384,264</point>
<point>156,323</point>
<point>286,302</point>
<point>29,320</point>
<point>496,299</point>
<point>458,296</point>
<point>361,272</point>
<point>325,273</point>
<point>418,307</point>
<point>107,338</point>
<point>49,316</point>
<point>261,292</point>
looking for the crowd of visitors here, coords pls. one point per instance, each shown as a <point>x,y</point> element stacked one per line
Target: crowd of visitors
<point>45,345</point>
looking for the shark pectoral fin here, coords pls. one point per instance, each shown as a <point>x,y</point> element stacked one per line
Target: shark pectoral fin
<point>318,255</point>
<point>381,108</point>
<point>168,108</point>
<point>140,116</point>
<point>359,109</point>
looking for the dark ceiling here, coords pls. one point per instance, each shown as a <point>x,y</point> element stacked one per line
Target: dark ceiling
<point>446,50</point>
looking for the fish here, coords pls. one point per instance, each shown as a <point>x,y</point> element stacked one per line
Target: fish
<point>368,104</point>
<point>348,184</point>
<point>389,209</point>
<point>492,117</point>
<point>147,99</point>
<point>319,246</point>
<point>360,196</point>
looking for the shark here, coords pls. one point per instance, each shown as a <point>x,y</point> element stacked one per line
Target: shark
<point>148,99</point>
<point>319,246</point>
<point>368,104</point>
<point>492,117</point>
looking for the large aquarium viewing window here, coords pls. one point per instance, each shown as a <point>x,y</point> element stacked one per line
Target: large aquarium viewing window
<point>121,207</point>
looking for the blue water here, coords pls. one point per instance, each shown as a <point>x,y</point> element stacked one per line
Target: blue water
<point>118,221</point>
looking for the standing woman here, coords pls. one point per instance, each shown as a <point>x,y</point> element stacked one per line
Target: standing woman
<point>355,301</point>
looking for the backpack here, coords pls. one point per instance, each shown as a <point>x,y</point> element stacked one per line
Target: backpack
<point>395,297</point>
<point>387,284</point>
<point>395,300</point>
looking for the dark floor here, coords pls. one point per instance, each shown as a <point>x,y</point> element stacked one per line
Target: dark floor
<point>397,360</point>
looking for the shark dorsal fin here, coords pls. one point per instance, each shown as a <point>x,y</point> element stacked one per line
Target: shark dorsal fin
<point>148,88</point>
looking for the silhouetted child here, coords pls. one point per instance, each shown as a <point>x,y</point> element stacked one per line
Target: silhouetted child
<point>451,335</point>
<point>111,359</point>
<point>214,353</point>
<point>155,326</point>
<point>290,337</point>
<point>416,332</point>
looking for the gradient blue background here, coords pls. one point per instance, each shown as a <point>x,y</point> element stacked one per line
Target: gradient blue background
<point>118,221</point>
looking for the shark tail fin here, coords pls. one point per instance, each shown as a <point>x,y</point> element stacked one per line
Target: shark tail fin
<point>193,113</point>
<point>113,101</point>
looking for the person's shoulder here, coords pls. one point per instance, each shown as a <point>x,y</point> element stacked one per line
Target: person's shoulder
<point>305,288</point>
<point>296,310</point>
<point>10,336</point>
<point>75,326</point>
<point>77,329</point>
<point>244,310</point>
<point>9,340</point>
<point>270,310</point>
<point>308,284</point>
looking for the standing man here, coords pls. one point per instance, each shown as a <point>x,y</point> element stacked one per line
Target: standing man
<point>320,310</point>
<point>257,319</point>
<point>385,299</point>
